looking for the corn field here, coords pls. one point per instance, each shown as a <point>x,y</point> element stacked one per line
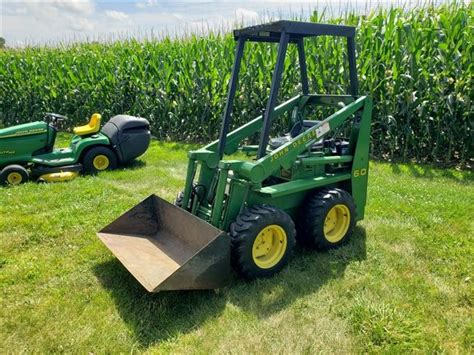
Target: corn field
<point>417,65</point>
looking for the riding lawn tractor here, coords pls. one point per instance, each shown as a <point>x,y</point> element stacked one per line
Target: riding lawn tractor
<point>309,185</point>
<point>27,150</point>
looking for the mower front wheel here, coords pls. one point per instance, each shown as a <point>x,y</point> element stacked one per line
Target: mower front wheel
<point>99,159</point>
<point>263,238</point>
<point>14,175</point>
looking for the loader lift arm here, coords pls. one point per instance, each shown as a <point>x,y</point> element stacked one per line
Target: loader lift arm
<point>285,156</point>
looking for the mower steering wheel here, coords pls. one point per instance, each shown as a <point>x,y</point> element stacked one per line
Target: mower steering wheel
<point>54,118</point>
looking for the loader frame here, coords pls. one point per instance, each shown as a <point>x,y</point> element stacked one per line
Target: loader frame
<point>226,194</point>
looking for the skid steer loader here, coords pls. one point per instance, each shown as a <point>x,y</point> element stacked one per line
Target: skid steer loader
<point>309,185</point>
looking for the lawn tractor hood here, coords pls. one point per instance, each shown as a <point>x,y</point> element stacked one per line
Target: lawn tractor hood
<point>166,248</point>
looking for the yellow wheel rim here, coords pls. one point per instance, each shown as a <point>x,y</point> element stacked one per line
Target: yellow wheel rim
<point>337,223</point>
<point>14,178</point>
<point>101,162</point>
<point>269,246</point>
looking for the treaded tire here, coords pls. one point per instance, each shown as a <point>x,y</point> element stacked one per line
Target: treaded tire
<point>23,176</point>
<point>313,215</point>
<point>88,159</point>
<point>245,230</point>
<point>179,199</point>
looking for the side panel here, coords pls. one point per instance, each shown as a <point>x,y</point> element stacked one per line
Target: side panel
<point>289,203</point>
<point>17,144</point>
<point>238,194</point>
<point>72,154</point>
<point>360,165</point>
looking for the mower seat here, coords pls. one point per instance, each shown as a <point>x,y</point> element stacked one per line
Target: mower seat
<point>92,127</point>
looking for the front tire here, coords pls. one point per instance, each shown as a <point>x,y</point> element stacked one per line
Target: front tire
<point>179,199</point>
<point>327,219</point>
<point>99,159</point>
<point>263,238</point>
<point>14,175</point>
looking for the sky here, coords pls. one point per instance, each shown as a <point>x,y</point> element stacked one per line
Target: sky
<point>33,22</point>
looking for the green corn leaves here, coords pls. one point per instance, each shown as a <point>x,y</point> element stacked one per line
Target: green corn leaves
<point>416,64</point>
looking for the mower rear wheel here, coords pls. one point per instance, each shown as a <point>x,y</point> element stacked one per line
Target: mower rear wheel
<point>327,219</point>
<point>14,175</point>
<point>99,159</point>
<point>263,238</point>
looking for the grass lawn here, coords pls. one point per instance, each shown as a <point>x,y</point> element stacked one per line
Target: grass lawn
<point>404,282</point>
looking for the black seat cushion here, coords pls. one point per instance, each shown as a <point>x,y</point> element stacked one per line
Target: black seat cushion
<point>297,129</point>
<point>277,142</point>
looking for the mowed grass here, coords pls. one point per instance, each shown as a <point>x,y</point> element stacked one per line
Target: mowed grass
<point>403,283</point>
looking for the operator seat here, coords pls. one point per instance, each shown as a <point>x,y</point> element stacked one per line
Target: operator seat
<point>90,128</point>
<point>298,128</point>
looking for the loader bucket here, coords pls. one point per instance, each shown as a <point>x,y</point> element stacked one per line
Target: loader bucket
<point>167,248</point>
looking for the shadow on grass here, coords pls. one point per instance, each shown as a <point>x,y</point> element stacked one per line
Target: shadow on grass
<point>157,317</point>
<point>307,272</point>
<point>429,172</point>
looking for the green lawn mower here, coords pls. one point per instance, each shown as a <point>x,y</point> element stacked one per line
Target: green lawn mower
<point>308,185</point>
<point>27,150</point>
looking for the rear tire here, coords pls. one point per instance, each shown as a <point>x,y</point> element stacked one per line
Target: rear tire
<point>99,159</point>
<point>327,219</point>
<point>263,238</point>
<point>14,175</point>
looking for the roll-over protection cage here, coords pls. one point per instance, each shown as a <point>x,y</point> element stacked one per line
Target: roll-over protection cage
<point>284,33</point>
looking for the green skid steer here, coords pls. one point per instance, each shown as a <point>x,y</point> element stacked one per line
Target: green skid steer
<point>309,185</point>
